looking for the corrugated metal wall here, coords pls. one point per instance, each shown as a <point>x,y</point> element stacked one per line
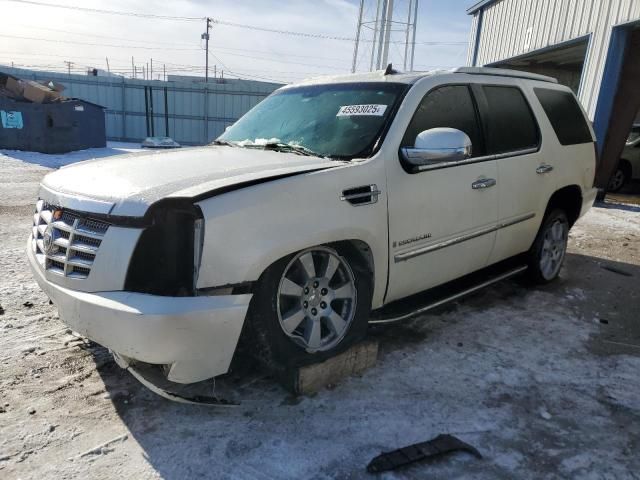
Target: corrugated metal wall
<point>514,27</point>
<point>198,113</point>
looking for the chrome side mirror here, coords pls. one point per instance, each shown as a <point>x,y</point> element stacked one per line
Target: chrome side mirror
<point>438,145</point>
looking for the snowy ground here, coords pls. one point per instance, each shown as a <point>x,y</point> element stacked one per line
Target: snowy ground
<point>544,382</point>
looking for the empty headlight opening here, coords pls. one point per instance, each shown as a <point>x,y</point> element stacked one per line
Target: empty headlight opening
<point>167,257</point>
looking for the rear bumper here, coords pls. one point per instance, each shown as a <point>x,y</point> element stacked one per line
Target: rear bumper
<point>588,198</point>
<point>195,336</point>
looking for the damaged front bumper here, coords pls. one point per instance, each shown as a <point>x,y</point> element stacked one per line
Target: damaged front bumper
<point>195,337</point>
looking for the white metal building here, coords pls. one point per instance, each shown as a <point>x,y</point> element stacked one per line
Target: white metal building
<point>591,45</point>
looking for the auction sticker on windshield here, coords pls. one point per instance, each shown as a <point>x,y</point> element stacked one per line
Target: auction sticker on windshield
<point>353,110</point>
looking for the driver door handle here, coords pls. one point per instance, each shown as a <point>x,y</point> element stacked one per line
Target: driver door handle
<point>544,168</point>
<point>483,183</point>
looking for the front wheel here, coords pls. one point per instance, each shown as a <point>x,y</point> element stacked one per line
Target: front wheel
<point>310,306</point>
<point>549,248</point>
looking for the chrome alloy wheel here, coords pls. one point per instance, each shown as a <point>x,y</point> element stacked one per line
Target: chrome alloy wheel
<point>316,299</point>
<point>554,247</point>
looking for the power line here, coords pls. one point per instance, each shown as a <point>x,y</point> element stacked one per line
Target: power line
<point>94,44</point>
<point>84,34</point>
<point>216,21</point>
<point>109,12</point>
<point>280,54</point>
<point>283,32</point>
<point>316,35</point>
<point>330,67</point>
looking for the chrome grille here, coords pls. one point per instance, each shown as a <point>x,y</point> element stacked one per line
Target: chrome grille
<point>74,240</point>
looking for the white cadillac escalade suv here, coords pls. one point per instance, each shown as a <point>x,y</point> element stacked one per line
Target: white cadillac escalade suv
<point>314,215</point>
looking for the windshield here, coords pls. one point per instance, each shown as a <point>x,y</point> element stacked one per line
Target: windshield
<point>335,120</point>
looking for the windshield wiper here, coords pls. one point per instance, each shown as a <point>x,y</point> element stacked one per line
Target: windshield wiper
<point>285,147</point>
<point>224,142</point>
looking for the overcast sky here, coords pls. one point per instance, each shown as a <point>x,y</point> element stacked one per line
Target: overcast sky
<point>87,38</point>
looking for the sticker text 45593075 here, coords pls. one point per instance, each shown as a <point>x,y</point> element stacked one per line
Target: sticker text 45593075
<point>355,110</point>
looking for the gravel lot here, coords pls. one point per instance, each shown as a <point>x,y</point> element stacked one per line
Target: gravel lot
<point>544,382</point>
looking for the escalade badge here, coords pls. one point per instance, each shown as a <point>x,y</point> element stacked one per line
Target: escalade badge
<point>424,236</point>
<point>49,238</point>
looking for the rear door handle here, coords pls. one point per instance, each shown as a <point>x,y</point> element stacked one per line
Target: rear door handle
<point>544,168</point>
<point>483,183</point>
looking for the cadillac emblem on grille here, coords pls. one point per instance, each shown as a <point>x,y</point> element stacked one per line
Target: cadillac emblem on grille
<point>51,234</point>
<point>49,238</point>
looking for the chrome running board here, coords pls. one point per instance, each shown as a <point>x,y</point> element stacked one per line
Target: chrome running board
<point>450,298</point>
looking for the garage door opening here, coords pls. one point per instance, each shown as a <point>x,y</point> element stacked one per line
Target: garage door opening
<point>564,62</point>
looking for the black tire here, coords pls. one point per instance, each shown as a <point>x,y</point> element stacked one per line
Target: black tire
<point>266,339</point>
<point>619,178</point>
<point>535,273</point>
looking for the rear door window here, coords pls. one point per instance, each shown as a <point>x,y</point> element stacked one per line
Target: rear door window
<point>565,116</point>
<point>449,106</point>
<point>509,122</point>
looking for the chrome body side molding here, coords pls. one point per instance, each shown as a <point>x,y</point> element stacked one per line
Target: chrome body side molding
<point>403,256</point>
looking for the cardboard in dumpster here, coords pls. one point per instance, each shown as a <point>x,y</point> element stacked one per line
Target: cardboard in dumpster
<point>37,93</point>
<point>14,86</point>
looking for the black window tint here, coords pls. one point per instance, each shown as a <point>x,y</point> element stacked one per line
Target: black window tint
<point>565,116</point>
<point>510,125</point>
<point>450,106</point>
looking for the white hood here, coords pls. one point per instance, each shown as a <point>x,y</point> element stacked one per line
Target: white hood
<point>128,184</point>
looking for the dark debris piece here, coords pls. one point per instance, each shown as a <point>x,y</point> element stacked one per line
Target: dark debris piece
<point>1,310</point>
<point>441,445</point>
<point>617,270</point>
<point>27,304</point>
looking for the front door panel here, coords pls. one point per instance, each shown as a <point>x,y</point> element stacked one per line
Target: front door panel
<point>440,227</point>
<point>441,220</point>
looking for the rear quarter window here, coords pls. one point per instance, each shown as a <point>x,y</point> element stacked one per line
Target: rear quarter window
<point>565,116</point>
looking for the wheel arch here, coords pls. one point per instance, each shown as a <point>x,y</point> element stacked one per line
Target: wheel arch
<point>359,251</point>
<point>569,199</point>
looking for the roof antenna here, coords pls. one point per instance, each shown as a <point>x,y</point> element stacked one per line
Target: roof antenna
<point>389,70</point>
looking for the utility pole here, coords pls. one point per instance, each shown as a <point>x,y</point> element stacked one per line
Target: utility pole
<point>205,37</point>
<point>151,71</point>
<point>383,24</point>
<point>69,64</point>
<point>108,69</point>
<point>164,72</point>
<point>415,24</point>
<point>387,35</point>
<point>133,67</point>
<point>358,29</point>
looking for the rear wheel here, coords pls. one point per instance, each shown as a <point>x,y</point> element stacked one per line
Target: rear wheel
<point>310,306</point>
<point>549,248</point>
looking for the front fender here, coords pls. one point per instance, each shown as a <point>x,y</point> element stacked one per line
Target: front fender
<point>249,229</point>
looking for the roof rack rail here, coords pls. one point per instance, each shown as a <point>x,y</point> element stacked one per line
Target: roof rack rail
<point>504,72</point>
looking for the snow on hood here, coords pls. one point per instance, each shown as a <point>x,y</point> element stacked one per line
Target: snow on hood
<point>132,182</point>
